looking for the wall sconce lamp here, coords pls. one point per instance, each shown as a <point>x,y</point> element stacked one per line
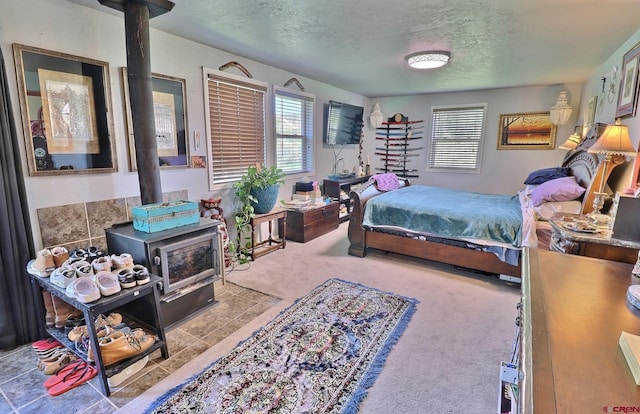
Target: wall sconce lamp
<point>376,116</point>
<point>561,111</point>
<point>428,60</point>
<point>615,144</point>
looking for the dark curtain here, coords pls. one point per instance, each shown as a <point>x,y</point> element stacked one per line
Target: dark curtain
<point>18,316</point>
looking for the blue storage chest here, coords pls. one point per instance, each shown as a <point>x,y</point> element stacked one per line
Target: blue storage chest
<point>163,216</point>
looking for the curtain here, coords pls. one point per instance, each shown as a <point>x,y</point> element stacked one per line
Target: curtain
<point>19,320</point>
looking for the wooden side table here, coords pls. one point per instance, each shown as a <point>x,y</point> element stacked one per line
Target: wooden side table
<point>262,247</point>
<point>599,245</point>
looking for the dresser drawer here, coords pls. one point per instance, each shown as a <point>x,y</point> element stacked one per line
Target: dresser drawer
<point>303,226</point>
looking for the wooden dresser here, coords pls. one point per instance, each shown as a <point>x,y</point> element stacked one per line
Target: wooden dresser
<point>573,311</point>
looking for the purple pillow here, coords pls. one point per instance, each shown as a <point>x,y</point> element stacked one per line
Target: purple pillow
<point>546,174</point>
<point>560,189</point>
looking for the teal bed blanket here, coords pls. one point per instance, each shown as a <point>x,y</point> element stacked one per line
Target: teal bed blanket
<point>448,213</point>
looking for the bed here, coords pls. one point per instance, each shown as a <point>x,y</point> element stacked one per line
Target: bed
<point>475,251</point>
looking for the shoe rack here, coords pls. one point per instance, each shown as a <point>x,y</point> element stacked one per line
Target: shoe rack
<point>141,293</point>
<point>396,151</point>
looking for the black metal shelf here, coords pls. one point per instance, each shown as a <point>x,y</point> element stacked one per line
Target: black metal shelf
<point>104,306</point>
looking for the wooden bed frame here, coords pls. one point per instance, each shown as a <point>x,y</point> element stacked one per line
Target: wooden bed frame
<point>583,165</point>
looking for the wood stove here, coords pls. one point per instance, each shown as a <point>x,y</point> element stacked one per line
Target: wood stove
<point>188,259</point>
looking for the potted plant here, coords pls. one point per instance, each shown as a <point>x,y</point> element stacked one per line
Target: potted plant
<point>257,192</point>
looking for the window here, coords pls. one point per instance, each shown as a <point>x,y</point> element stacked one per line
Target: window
<point>294,131</point>
<point>236,125</point>
<point>456,137</point>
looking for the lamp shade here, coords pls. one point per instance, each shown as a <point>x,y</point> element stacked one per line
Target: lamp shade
<point>614,140</point>
<point>571,142</point>
<point>428,60</point>
<point>561,111</point>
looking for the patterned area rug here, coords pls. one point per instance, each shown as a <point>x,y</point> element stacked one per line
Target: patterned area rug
<point>318,356</point>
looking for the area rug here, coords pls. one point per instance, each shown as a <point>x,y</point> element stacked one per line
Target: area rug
<point>320,355</point>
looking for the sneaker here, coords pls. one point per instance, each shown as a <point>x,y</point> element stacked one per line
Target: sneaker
<point>141,274</point>
<point>126,277</point>
<point>63,276</point>
<point>107,283</point>
<point>60,255</point>
<point>44,261</point>
<point>83,269</point>
<point>102,263</point>
<point>121,261</point>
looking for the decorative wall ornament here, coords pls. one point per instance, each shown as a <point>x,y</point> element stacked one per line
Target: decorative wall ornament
<point>234,64</point>
<point>376,116</point>
<point>295,81</point>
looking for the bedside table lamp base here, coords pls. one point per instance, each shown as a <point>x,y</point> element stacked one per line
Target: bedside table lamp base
<point>598,203</point>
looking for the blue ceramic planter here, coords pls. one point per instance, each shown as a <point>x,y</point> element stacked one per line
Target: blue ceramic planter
<point>266,197</point>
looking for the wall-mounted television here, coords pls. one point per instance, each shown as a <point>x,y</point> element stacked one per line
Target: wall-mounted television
<point>344,123</point>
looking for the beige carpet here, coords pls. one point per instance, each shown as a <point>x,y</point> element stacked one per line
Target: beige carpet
<point>448,359</point>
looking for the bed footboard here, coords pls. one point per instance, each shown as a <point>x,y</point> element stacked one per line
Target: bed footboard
<point>356,233</point>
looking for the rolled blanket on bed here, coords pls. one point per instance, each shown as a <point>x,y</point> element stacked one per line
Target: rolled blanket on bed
<point>386,181</point>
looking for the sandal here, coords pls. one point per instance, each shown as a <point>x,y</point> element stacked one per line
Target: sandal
<point>65,372</point>
<point>72,380</point>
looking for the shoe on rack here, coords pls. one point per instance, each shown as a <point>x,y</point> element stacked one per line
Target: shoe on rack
<point>126,277</point>
<point>72,322</point>
<point>63,276</point>
<point>107,283</point>
<point>120,346</point>
<point>121,261</point>
<point>93,253</point>
<point>102,263</point>
<point>83,268</point>
<point>84,290</point>
<point>50,312</point>
<point>113,319</point>
<point>44,261</point>
<point>45,344</point>
<point>141,274</point>
<point>63,311</point>
<point>60,255</point>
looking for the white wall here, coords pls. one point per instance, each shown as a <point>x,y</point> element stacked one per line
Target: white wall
<point>77,30</point>
<point>626,175</point>
<point>503,171</point>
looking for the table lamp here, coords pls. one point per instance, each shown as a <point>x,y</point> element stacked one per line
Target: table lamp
<point>615,144</point>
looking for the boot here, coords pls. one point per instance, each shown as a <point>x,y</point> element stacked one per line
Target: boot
<point>50,314</point>
<point>119,346</point>
<point>63,312</point>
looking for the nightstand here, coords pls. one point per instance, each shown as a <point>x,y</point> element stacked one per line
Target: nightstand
<point>599,244</point>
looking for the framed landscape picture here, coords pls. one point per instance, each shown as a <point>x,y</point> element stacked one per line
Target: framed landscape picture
<point>531,130</point>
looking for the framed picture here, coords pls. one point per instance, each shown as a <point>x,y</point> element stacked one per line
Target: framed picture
<point>169,107</point>
<point>66,112</point>
<point>628,91</point>
<point>531,130</point>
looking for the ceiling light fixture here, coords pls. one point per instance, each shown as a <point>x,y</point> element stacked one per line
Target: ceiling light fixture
<point>428,60</point>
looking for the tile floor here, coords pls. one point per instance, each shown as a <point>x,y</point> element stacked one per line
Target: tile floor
<point>21,383</point>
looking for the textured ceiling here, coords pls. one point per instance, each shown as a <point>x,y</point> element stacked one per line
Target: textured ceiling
<point>359,45</point>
